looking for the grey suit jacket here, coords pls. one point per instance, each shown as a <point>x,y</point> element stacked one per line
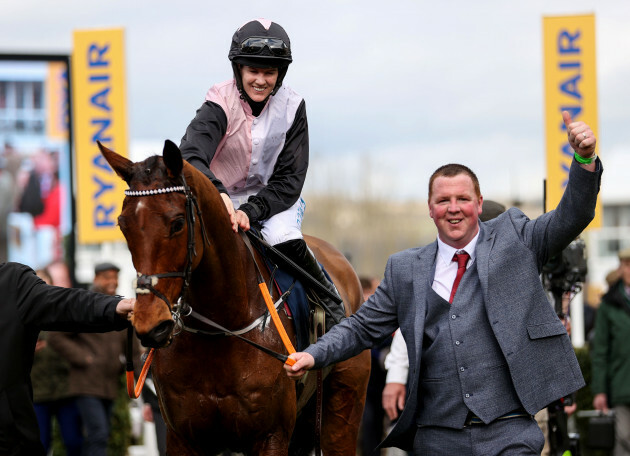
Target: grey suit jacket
<point>511,250</point>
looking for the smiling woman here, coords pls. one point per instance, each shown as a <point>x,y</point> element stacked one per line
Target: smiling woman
<point>258,83</point>
<point>250,138</point>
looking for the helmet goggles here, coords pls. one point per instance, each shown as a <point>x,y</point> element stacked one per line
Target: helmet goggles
<point>256,44</point>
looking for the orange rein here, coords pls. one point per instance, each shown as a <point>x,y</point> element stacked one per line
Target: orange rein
<point>135,393</point>
<point>276,321</point>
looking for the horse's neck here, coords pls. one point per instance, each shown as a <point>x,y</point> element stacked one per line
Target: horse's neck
<point>227,266</point>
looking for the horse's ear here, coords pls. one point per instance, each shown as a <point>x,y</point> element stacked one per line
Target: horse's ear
<point>120,164</point>
<point>172,157</point>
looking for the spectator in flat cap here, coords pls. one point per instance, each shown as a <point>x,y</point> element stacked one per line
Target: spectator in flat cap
<point>105,278</point>
<point>611,357</point>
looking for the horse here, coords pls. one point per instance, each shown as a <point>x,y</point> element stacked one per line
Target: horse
<point>217,392</point>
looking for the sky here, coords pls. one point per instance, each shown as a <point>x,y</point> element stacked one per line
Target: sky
<point>393,89</point>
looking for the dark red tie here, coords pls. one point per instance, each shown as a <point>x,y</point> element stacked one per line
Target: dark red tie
<point>462,259</point>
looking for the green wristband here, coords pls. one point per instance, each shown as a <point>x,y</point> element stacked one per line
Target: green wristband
<point>584,161</point>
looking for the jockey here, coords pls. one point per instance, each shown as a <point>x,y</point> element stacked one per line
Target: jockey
<point>250,138</point>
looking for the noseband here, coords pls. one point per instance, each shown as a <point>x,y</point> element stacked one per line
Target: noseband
<point>145,283</point>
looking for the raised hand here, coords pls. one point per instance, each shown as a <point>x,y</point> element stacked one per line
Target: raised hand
<point>581,137</point>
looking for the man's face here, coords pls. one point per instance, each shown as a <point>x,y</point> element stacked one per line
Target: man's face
<point>455,208</point>
<point>106,282</point>
<point>625,272</point>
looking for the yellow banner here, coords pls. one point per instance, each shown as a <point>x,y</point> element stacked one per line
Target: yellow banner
<point>570,85</point>
<point>57,117</point>
<point>99,113</point>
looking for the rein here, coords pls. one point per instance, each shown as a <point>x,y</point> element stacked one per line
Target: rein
<point>145,284</point>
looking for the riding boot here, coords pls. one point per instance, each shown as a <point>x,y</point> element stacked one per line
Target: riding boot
<point>297,251</point>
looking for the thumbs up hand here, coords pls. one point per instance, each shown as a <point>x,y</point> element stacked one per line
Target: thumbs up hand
<point>581,137</point>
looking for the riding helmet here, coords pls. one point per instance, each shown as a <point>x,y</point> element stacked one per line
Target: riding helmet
<point>260,43</point>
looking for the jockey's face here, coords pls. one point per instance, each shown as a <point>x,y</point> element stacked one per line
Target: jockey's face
<point>258,83</point>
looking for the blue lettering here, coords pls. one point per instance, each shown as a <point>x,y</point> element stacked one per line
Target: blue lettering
<point>102,187</point>
<point>100,134</point>
<point>570,87</point>
<point>99,99</point>
<point>566,42</point>
<point>96,55</point>
<point>567,65</point>
<point>100,162</point>
<point>102,215</point>
<point>99,63</point>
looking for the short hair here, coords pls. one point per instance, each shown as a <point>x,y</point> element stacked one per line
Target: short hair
<point>452,170</point>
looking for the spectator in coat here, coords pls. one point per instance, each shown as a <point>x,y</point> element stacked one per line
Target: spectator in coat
<point>611,355</point>
<point>96,364</point>
<point>28,306</point>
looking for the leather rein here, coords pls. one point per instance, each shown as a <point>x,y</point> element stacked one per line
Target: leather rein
<point>145,284</point>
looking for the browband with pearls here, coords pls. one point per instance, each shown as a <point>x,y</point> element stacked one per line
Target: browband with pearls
<point>155,191</point>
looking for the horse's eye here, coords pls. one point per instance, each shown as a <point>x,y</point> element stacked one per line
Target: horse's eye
<point>177,225</point>
<point>121,222</point>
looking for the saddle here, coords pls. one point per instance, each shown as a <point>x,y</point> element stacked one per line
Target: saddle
<point>300,305</point>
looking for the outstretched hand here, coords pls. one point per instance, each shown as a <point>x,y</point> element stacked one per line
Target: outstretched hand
<point>303,362</point>
<point>124,308</point>
<point>581,137</point>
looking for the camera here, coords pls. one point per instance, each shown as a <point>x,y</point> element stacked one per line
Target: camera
<point>565,271</point>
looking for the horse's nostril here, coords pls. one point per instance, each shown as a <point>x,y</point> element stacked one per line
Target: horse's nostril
<point>159,335</point>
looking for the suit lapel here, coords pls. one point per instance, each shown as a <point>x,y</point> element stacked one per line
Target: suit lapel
<point>423,272</point>
<point>482,252</point>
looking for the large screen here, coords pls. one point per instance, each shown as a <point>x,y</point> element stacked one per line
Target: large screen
<point>35,166</point>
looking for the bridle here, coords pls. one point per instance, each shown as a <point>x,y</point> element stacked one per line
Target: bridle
<point>145,283</point>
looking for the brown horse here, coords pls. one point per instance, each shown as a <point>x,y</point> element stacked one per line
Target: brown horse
<point>218,392</point>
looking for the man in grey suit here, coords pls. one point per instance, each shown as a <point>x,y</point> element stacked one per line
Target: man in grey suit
<point>486,349</point>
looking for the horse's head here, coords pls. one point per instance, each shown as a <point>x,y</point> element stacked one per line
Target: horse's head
<point>164,236</point>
